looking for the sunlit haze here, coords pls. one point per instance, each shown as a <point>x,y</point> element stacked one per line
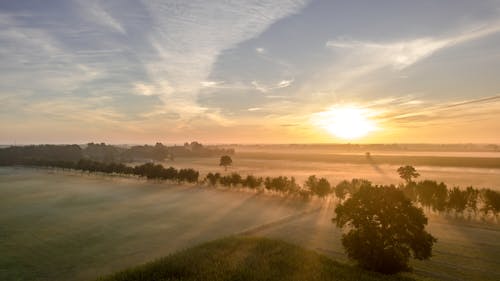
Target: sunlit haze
<point>301,71</point>
<point>349,123</point>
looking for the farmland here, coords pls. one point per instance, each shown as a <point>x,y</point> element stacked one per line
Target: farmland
<point>57,225</point>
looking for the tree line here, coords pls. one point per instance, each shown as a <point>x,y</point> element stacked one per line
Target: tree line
<point>147,170</point>
<point>427,193</point>
<point>101,152</point>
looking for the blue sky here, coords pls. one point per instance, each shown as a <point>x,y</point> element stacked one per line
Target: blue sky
<point>230,71</point>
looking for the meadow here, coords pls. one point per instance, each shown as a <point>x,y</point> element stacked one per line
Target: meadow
<point>70,225</point>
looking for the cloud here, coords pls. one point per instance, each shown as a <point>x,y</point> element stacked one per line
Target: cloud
<point>210,84</point>
<point>266,88</point>
<point>145,90</point>
<point>420,113</point>
<point>96,12</point>
<point>27,51</point>
<point>404,53</point>
<point>260,50</point>
<point>188,36</point>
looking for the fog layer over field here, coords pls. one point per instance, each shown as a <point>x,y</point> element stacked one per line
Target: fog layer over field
<point>60,225</point>
<point>303,164</point>
<point>69,225</point>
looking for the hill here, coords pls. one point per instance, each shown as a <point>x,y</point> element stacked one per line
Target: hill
<point>247,258</point>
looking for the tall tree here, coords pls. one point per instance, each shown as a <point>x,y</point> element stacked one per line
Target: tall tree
<point>385,229</point>
<point>225,161</point>
<point>408,173</point>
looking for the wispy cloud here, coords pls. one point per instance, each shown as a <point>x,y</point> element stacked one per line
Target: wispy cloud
<point>95,11</point>
<point>266,88</point>
<point>254,109</point>
<point>425,113</point>
<point>404,53</point>
<point>188,38</point>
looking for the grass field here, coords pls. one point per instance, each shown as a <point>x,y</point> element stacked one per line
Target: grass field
<point>73,226</point>
<point>248,258</point>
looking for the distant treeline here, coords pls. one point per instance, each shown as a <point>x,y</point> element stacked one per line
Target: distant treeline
<point>427,193</point>
<point>20,155</point>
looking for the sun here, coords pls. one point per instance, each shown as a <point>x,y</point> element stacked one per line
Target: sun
<point>346,122</point>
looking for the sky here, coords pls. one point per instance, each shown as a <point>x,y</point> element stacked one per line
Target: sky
<point>254,71</point>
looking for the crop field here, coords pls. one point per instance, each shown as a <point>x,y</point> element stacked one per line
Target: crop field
<point>455,169</point>
<point>74,226</point>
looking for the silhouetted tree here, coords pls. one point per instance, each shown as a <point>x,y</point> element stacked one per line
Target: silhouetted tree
<point>322,188</point>
<point>235,179</point>
<point>212,178</point>
<point>304,194</point>
<point>225,161</point>
<point>188,175</point>
<point>281,184</point>
<point>252,181</point>
<point>457,200</point>
<point>341,190</point>
<point>491,201</point>
<point>432,194</point>
<point>408,173</point>
<point>472,196</point>
<point>385,229</point>
<point>226,181</point>
<point>311,182</point>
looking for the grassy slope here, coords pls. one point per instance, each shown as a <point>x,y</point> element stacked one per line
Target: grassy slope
<point>247,258</point>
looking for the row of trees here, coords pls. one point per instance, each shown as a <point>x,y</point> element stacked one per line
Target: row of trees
<point>438,197</point>
<point>427,193</point>
<point>281,184</point>
<point>147,170</point>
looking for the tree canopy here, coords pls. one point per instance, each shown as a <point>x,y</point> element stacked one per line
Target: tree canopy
<point>385,229</point>
<point>408,173</point>
<point>225,161</point>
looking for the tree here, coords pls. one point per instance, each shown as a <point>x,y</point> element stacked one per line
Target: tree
<point>235,179</point>
<point>213,178</point>
<point>472,195</point>
<point>225,161</point>
<point>252,181</point>
<point>322,188</point>
<point>385,229</point>
<point>432,194</point>
<point>457,200</point>
<point>491,201</point>
<point>341,189</point>
<point>407,173</point>
<point>311,182</point>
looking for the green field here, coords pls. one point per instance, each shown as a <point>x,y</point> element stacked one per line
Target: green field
<point>74,226</point>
